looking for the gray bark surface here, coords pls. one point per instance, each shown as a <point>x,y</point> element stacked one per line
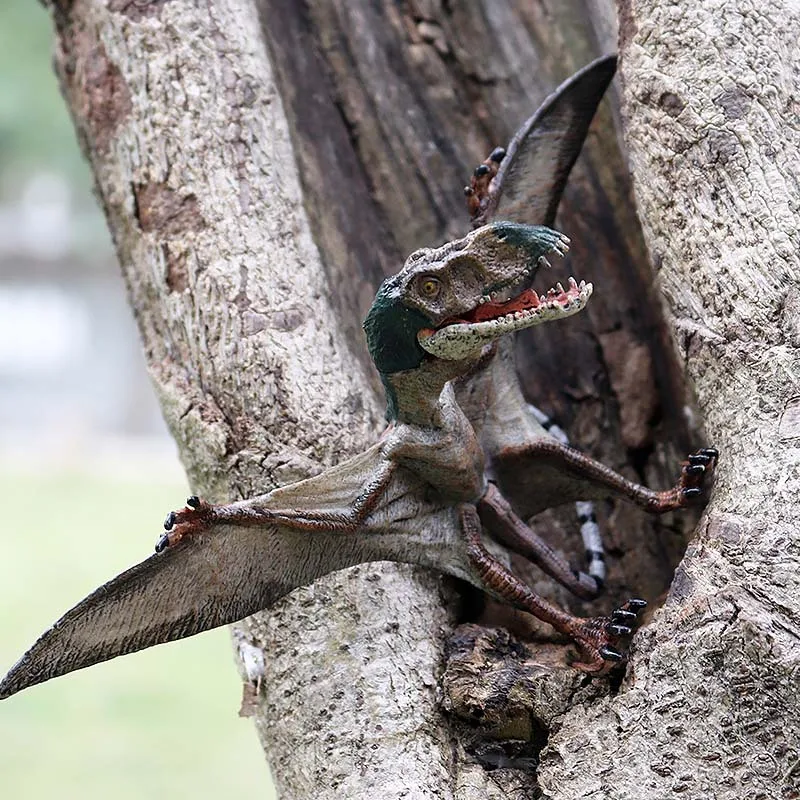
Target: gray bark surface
<point>263,165</point>
<point>709,708</point>
<point>176,108</point>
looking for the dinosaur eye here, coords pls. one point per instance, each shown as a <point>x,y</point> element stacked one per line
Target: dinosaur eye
<point>430,287</point>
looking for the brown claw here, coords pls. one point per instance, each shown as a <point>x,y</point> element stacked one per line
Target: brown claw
<point>479,189</point>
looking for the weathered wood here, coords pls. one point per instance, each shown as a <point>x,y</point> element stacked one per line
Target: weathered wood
<point>408,98</point>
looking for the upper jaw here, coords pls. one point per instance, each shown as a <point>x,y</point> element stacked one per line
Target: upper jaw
<point>504,308</point>
<point>513,286</point>
<point>461,338</point>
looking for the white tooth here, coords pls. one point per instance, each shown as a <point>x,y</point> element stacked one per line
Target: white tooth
<point>560,288</point>
<point>544,262</point>
<point>582,285</point>
<point>572,284</point>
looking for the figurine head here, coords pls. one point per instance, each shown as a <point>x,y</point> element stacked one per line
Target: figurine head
<point>448,302</point>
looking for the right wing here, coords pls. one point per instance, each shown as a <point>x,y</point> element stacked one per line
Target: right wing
<point>227,572</point>
<point>532,176</point>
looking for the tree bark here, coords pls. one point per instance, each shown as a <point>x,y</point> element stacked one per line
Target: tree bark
<point>262,165</point>
<point>176,108</point>
<point>710,707</point>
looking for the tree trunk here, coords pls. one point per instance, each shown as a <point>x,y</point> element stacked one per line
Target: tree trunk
<point>263,165</point>
<point>710,710</point>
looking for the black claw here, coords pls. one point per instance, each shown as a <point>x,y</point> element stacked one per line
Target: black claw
<point>162,544</point>
<point>711,452</point>
<point>699,458</point>
<point>618,630</point>
<point>467,191</point>
<point>695,469</point>
<point>498,154</point>
<point>193,501</point>
<point>481,170</point>
<point>623,616</point>
<point>169,521</point>
<point>610,654</point>
<point>692,491</point>
<point>636,604</point>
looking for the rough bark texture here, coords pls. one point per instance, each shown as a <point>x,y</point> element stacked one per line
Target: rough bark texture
<point>262,166</point>
<point>176,108</point>
<point>710,706</point>
<point>390,106</point>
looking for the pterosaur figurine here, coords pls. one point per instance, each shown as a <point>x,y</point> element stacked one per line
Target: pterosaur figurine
<point>430,491</point>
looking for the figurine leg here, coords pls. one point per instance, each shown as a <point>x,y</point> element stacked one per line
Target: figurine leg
<point>198,515</point>
<point>597,638</point>
<point>590,530</point>
<point>596,479</point>
<point>501,521</point>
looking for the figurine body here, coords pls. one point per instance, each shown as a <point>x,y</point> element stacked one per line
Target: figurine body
<point>421,494</point>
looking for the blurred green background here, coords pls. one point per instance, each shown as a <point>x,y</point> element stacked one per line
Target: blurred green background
<point>160,723</point>
<point>87,472</point>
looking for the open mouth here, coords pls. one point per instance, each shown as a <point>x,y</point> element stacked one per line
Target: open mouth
<point>526,302</point>
<point>460,337</point>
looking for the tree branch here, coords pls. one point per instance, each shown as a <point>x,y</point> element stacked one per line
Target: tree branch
<point>177,111</point>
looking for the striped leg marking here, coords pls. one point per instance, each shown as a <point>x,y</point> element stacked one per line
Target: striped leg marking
<point>590,530</point>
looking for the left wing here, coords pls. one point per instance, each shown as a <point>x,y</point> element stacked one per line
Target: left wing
<point>210,580</point>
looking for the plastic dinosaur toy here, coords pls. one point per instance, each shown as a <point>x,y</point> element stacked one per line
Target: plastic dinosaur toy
<point>432,491</point>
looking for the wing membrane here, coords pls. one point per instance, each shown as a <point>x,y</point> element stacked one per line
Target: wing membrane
<point>213,579</point>
<point>532,176</point>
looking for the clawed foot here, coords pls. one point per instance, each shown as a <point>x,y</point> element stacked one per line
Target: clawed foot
<point>191,519</point>
<point>696,470</point>
<point>600,638</point>
<point>479,189</point>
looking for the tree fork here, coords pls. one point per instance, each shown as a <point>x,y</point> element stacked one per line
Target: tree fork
<point>231,254</point>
